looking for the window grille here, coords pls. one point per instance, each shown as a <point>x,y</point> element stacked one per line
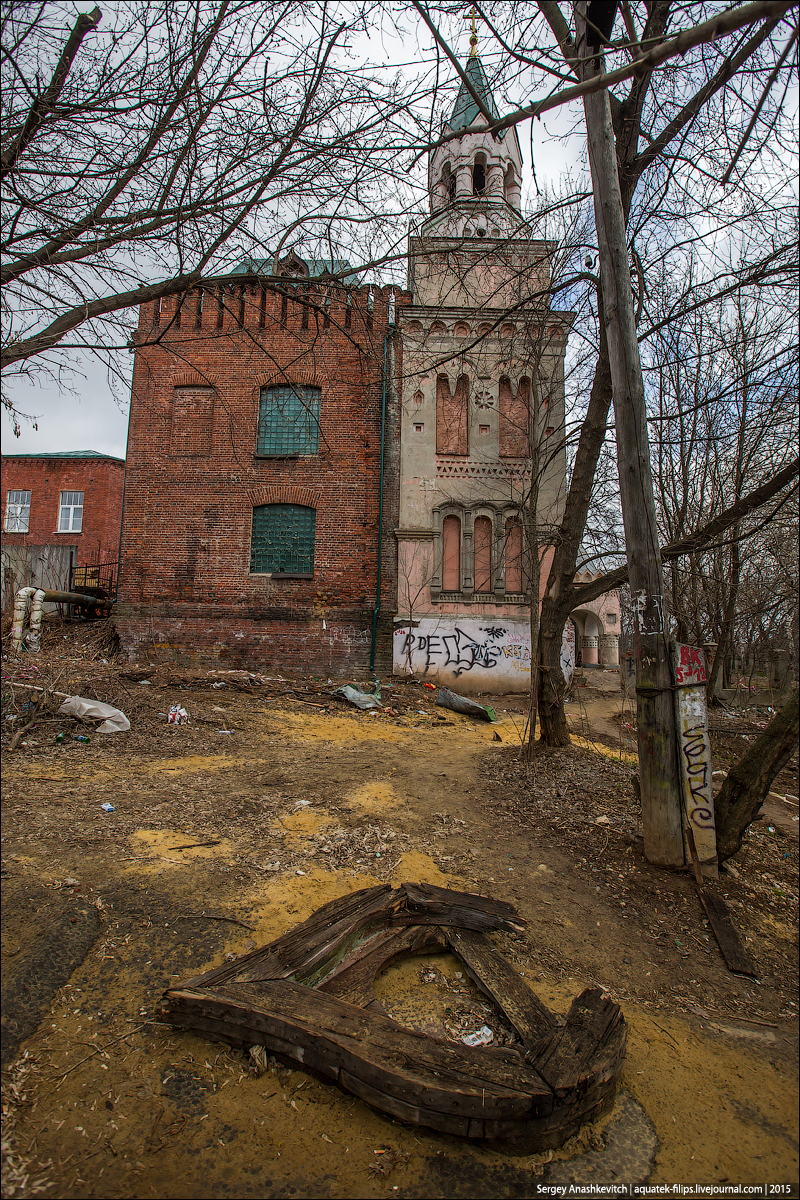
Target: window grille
<point>70,513</point>
<point>288,420</point>
<point>283,540</point>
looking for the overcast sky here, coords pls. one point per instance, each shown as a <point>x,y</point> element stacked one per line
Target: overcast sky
<point>86,413</point>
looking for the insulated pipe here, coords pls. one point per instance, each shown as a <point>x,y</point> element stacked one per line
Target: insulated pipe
<point>34,638</point>
<point>20,608</point>
<point>41,597</point>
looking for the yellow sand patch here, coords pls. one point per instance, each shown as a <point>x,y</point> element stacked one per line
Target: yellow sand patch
<point>772,926</point>
<point>305,821</point>
<point>161,847</point>
<point>374,797</point>
<point>416,867</point>
<point>337,729</point>
<point>606,751</point>
<point>192,762</point>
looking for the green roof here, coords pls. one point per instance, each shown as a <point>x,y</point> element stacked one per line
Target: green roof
<point>316,266</point>
<point>69,454</point>
<point>465,110</point>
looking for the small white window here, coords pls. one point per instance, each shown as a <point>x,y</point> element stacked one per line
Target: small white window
<point>18,512</point>
<point>70,516</point>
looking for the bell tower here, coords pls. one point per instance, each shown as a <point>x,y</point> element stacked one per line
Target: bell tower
<point>482,385</point>
<point>474,179</point>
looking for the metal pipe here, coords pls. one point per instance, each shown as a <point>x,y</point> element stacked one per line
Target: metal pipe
<point>40,598</point>
<point>18,624</point>
<point>380,503</point>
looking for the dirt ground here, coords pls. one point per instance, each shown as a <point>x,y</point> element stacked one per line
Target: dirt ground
<point>276,798</point>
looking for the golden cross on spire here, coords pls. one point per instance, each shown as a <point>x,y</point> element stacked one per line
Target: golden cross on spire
<point>473,41</point>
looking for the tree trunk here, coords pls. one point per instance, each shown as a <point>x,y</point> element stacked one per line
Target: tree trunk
<point>557,603</point>
<point>749,780</point>
<point>553,727</point>
<point>658,761</point>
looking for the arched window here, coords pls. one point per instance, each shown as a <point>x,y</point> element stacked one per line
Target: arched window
<point>514,418</point>
<point>449,182</point>
<point>514,572</point>
<point>483,554</point>
<point>451,554</point>
<point>508,183</point>
<point>479,175</point>
<point>452,415</point>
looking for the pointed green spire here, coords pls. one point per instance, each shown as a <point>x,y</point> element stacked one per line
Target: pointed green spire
<point>465,110</point>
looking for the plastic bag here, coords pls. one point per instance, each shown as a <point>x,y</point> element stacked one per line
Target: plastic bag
<point>356,696</point>
<point>462,704</point>
<point>78,706</point>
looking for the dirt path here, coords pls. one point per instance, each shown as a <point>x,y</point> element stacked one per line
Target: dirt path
<point>299,804</point>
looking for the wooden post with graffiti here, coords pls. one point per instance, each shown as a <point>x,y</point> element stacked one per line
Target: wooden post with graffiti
<point>694,752</point>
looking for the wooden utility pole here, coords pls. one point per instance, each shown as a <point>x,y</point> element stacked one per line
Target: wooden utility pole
<point>655,711</point>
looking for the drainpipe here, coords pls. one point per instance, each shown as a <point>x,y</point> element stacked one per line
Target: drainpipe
<point>389,332</point>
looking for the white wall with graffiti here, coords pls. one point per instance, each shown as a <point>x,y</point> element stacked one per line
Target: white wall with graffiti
<point>471,654</point>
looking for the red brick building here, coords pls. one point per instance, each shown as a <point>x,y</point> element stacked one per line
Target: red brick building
<point>62,512</point>
<point>256,484</point>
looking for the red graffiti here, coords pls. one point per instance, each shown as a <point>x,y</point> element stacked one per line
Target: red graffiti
<point>692,668</point>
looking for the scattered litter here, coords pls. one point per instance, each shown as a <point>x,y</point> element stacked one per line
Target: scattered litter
<point>432,686</point>
<point>356,696</point>
<point>179,716</point>
<point>299,872</point>
<point>107,807</point>
<point>113,721</point>
<point>462,704</point>
<point>70,882</point>
<point>302,804</point>
<point>603,820</point>
<point>481,1037</point>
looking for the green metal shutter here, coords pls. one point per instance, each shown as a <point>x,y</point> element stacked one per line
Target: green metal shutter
<point>283,539</point>
<point>288,420</point>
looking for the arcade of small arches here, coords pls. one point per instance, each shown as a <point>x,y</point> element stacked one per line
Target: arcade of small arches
<point>597,634</point>
<point>465,329</point>
<point>476,177</point>
<point>479,554</point>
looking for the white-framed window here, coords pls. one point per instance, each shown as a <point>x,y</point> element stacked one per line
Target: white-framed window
<point>70,512</point>
<point>18,512</point>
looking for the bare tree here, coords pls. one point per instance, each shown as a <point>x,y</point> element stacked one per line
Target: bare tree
<point>663,122</point>
<point>159,145</point>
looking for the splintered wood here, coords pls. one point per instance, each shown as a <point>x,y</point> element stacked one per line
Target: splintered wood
<point>307,998</point>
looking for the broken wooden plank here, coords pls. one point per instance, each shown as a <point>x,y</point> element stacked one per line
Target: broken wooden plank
<point>397,1062</point>
<point>354,980</point>
<point>531,1019</point>
<point>587,1051</point>
<point>427,902</point>
<point>265,999</point>
<point>720,920</point>
<point>726,933</point>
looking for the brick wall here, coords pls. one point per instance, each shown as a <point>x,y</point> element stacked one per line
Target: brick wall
<point>100,479</point>
<point>193,478</point>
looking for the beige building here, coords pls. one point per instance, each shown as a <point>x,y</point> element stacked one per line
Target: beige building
<point>482,415</point>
